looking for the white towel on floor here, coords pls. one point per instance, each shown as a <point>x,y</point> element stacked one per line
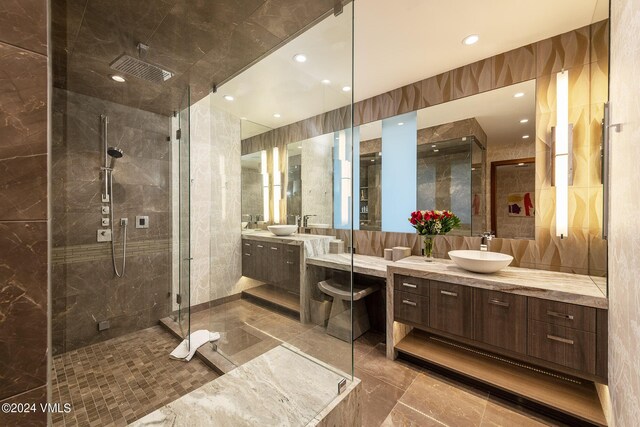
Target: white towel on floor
<point>198,338</point>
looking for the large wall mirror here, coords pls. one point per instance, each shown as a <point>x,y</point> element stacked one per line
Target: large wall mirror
<point>441,157</point>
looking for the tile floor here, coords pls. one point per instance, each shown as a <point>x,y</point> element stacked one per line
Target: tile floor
<point>398,393</point>
<point>115,382</point>
<point>118,381</point>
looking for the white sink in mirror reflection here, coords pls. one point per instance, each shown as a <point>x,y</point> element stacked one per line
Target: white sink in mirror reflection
<point>480,261</point>
<point>282,230</point>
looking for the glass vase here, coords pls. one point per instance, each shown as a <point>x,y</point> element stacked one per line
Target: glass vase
<point>428,248</point>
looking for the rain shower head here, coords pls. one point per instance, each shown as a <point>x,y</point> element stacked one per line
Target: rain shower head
<point>141,69</point>
<point>115,153</point>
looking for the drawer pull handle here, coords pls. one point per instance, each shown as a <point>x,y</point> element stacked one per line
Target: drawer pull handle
<point>449,293</point>
<point>560,315</point>
<point>246,254</point>
<point>408,302</point>
<point>274,248</point>
<point>247,244</point>
<point>409,285</point>
<point>260,246</point>
<point>498,302</point>
<point>560,339</point>
<point>290,262</point>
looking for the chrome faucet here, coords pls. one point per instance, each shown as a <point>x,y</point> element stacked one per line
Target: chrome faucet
<point>297,219</point>
<point>485,240</point>
<point>305,220</point>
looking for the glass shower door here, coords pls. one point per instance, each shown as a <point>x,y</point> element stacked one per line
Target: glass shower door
<point>183,296</point>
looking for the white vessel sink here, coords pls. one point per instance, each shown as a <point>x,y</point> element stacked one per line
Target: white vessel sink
<point>480,261</point>
<point>282,230</point>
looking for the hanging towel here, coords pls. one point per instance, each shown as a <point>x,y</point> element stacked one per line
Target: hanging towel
<point>198,338</point>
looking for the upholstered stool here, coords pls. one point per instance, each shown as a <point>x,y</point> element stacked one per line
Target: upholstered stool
<point>339,324</point>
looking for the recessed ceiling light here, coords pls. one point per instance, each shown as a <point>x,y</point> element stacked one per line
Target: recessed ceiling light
<point>401,124</point>
<point>372,160</point>
<point>433,146</point>
<point>300,57</point>
<point>229,97</point>
<point>473,169</point>
<point>276,115</point>
<point>326,82</point>
<point>472,39</point>
<point>518,95</point>
<point>380,153</point>
<point>525,136</point>
<point>118,78</point>
<point>346,88</point>
<point>464,138</point>
<point>524,121</point>
<point>520,164</point>
<point>436,150</point>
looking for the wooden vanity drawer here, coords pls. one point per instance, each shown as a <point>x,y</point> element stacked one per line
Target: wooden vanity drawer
<point>559,313</point>
<point>450,308</point>
<point>562,345</point>
<point>500,319</point>
<point>412,285</point>
<point>411,308</point>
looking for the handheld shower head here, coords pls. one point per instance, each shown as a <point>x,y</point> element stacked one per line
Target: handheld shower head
<point>115,153</point>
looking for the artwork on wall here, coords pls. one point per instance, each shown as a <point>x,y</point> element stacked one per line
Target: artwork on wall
<point>520,204</point>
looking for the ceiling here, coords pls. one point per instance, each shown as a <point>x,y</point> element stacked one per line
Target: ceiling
<point>203,42</point>
<point>395,44</point>
<point>210,42</point>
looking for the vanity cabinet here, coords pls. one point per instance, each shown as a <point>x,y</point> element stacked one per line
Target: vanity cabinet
<point>450,309</point>
<point>554,335</point>
<point>274,263</point>
<point>500,320</point>
<point>564,334</point>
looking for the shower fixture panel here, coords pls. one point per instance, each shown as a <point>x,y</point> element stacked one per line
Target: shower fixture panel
<point>141,69</point>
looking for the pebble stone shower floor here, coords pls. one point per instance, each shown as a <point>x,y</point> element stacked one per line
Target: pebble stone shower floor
<point>115,382</point>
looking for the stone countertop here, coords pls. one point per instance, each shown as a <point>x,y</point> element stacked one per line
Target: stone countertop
<point>296,238</point>
<point>563,287</point>
<point>365,264</point>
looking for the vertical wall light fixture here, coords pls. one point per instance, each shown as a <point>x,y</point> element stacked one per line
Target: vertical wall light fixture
<point>562,154</point>
<point>277,191</point>
<point>265,186</point>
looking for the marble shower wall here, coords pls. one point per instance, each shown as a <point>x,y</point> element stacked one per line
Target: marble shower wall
<point>23,208</point>
<point>85,290</point>
<point>584,53</point>
<point>215,203</point>
<point>624,250</point>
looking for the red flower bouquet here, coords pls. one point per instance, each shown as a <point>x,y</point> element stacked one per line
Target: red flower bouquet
<point>431,223</point>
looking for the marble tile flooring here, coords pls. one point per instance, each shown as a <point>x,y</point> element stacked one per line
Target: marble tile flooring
<point>121,380</point>
<point>398,393</point>
<point>115,382</point>
<point>248,330</point>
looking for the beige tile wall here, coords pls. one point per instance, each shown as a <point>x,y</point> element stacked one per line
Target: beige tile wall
<point>624,252</point>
